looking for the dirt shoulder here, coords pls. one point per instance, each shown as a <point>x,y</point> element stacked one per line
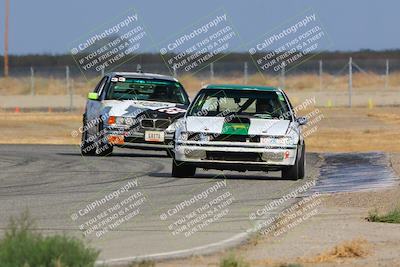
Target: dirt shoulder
<point>340,129</point>
<point>337,234</point>
<point>40,128</point>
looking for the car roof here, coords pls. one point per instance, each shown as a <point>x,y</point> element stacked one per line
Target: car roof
<point>142,75</point>
<point>241,87</point>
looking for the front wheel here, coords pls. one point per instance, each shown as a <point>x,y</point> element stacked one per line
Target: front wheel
<point>296,171</point>
<point>104,148</point>
<point>181,169</point>
<point>88,147</point>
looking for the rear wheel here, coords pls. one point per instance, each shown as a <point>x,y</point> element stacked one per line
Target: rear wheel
<point>181,169</point>
<point>296,171</point>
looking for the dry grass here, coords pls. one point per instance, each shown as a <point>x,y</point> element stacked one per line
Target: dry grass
<point>335,140</point>
<point>44,86</point>
<point>39,128</point>
<point>356,130</point>
<point>341,129</point>
<point>357,248</point>
<point>386,117</point>
<point>361,81</point>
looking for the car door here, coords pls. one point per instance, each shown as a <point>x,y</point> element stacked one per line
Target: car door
<point>94,106</point>
<point>297,128</point>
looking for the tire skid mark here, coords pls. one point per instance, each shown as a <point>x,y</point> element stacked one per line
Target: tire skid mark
<point>349,172</point>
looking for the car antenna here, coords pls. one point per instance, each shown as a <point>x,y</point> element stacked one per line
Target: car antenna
<point>139,68</point>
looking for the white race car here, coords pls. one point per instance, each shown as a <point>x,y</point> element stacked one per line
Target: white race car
<point>132,110</point>
<point>239,127</point>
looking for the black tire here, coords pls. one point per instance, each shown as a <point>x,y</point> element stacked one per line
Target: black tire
<point>88,148</point>
<point>104,148</point>
<point>302,162</point>
<point>181,169</point>
<point>171,151</point>
<point>296,171</point>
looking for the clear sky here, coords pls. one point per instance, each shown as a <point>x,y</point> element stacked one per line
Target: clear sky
<point>50,26</point>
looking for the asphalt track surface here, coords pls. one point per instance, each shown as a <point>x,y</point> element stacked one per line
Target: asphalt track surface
<point>56,184</point>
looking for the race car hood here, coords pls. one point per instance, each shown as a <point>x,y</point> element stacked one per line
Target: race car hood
<point>218,125</point>
<point>151,109</point>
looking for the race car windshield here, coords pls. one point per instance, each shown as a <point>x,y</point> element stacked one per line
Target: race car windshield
<point>259,104</point>
<point>146,89</point>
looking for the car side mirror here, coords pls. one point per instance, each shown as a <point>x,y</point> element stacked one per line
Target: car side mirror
<point>93,96</point>
<point>302,120</point>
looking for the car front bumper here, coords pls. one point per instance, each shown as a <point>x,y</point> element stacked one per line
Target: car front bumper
<point>233,155</point>
<point>137,140</point>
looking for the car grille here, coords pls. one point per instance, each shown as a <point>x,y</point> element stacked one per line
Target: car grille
<point>161,124</point>
<point>226,138</point>
<point>155,123</point>
<point>235,138</point>
<point>234,156</point>
<point>147,123</point>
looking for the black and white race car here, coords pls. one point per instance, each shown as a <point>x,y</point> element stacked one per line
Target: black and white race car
<point>135,110</point>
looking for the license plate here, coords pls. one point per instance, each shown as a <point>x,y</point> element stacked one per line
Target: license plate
<point>274,156</point>
<point>154,136</point>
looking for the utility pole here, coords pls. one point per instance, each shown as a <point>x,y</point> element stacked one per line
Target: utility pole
<point>69,91</point>
<point>350,80</point>
<point>175,73</point>
<point>32,81</point>
<point>246,74</point>
<point>387,75</point>
<point>320,75</point>
<point>212,71</point>
<point>7,11</point>
<point>282,80</point>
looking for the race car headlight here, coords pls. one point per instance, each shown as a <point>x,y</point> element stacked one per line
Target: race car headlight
<point>279,141</point>
<point>287,140</point>
<point>120,121</point>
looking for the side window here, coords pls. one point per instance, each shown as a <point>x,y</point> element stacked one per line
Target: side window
<point>103,87</point>
<point>100,85</point>
<point>210,104</point>
<point>290,105</point>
